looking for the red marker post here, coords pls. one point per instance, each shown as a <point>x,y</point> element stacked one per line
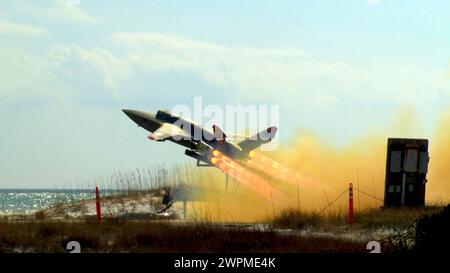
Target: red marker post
<point>350,205</point>
<point>98,205</point>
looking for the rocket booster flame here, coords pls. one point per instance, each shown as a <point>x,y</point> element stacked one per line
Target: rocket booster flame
<point>244,176</point>
<point>276,169</point>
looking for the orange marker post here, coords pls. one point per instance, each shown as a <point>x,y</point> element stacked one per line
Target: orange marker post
<point>98,205</point>
<point>350,205</point>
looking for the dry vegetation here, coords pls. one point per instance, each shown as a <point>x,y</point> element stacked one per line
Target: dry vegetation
<point>39,234</point>
<point>397,218</point>
<point>115,235</point>
<point>42,233</point>
<point>402,229</point>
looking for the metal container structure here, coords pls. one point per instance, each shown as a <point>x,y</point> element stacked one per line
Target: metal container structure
<point>406,172</point>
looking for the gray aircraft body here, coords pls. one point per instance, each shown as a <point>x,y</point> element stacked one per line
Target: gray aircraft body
<point>202,144</point>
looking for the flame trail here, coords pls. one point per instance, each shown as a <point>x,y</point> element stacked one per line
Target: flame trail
<point>312,171</point>
<point>282,172</point>
<point>246,177</point>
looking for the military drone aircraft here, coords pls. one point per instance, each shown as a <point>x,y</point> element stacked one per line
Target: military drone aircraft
<point>202,144</point>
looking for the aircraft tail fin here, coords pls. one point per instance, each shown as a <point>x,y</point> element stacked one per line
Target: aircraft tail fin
<point>259,139</point>
<point>219,133</point>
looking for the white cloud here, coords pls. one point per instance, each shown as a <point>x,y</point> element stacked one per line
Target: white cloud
<point>58,10</point>
<point>73,2</point>
<point>98,62</point>
<point>24,74</point>
<point>4,15</point>
<point>373,2</point>
<point>13,29</point>
<point>282,73</point>
<point>56,74</point>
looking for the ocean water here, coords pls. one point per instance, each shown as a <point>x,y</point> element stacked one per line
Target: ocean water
<point>31,200</point>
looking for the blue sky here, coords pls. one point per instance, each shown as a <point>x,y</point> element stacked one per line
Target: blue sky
<point>337,68</point>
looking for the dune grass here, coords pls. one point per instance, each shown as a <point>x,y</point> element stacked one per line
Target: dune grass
<point>373,218</point>
<point>122,235</point>
<point>115,235</point>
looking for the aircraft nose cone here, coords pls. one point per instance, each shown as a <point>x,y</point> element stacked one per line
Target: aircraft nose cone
<point>128,112</point>
<point>134,115</point>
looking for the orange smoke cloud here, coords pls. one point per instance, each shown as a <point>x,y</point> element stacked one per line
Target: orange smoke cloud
<point>439,174</point>
<point>309,172</point>
<point>246,177</point>
<point>282,172</point>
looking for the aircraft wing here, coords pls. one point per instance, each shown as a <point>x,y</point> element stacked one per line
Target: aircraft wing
<point>168,130</point>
